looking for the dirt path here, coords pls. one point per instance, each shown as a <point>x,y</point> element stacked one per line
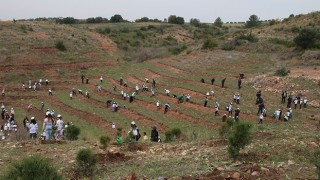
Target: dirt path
<point>105,43</point>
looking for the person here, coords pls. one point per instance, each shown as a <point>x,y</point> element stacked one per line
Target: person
<point>121,81</point>
<point>80,91</point>
<point>12,113</point>
<point>301,102</point>
<point>261,117</point>
<point>230,109</point>
<point>287,116</point>
<point>264,112</point>
<point>47,82</point>
<point>154,134</point>
<point>71,94</point>
<point>101,79</point>
<point>212,81</point>
<point>224,117</point>
<point>260,108</point>
<point>237,114</point>
<point>305,101</point>
<point>152,92</point>
<point>289,101</point>
<point>153,83</point>
<point>47,125</point>
<point>82,78</point>
<point>113,126</point>
<point>188,97</point>
<point>166,107</point>
<point>29,107</point>
<point>283,96</point>
<point>222,82</point>
<point>42,106</point>
<point>238,99</point>
<point>167,92</point>
<point>59,125</point>
<point>216,113</point>
<point>135,131</point>
<point>3,92</point>
<point>50,92</point>
<point>158,104</point>
<point>202,80</point>
<point>137,89</point>
<point>87,94</point>
<point>146,80</point>
<point>145,137</point>
<point>205,102</point>
<point>180,98</point>
<point>33,128</point>
<point>239,83</point>
<point>295,102</point>
<point>87,81</point>
<point>25,122</point>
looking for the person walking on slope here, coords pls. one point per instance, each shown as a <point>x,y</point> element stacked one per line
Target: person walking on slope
<point>101,79</point>
<point>237,114</point>
<point>135,131</point>
<point>87,94</point>
<point>222,82</point>
<point>166,108</point>
<point>158,104</point>
<point>59,125</point>
<point>230,109</point>
<point>33,128</point>
<point>305,101</point>
<point>82,78</point>
<point>216,113</point>
<point>154,134</point>
<point>212,81</point>
<point>71,94</point>
<point>47,126</point>
<point>206,102</point>
<point>289,101</point>
<point>50,92</point>
<point>283,96</point>
<point>239,83</point>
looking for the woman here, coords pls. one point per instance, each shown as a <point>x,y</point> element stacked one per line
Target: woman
<point>47,125</point>
<point>33,128</point>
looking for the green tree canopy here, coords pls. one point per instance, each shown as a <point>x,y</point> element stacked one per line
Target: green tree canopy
<point>253,21</point>
<point>218,22</point>
<point>116,18</point>
<point>307,39</point>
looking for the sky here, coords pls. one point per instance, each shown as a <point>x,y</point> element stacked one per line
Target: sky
<point>205,10</point>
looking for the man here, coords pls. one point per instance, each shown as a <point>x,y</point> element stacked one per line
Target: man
<point>47,82</point>
<point>59,125</point>
<point>42,105</point>
<point>153,83</point>
<point>87,94</point>
<point>206,102</point>
<point>301,102</point>
<point>166,107</point>
<point>82,78</point>
<point>80,91</point>
<point>137,89</point>
<point>12,113</point>
<point>154,134</point>
<point>230,109</point>
<point>121,81</point>
<point>222,82</point>
<point>216,113</point>
<point>135,131</point>
<point>50,92</point>
<point>261,118</point>
<point>260,108</point>
<point>289,101</point>
<point>238,99</point>
<point>239,83</point>
<point>87,81</point>
<point>152,92</point>
<point>71,94</point>
<point>101,79</point>
<point>212,81</point>
<point>283,96</point>
<point>188,97</point>
<point>3,93</point>
<point>202,80</point>
<point>237,114</point>
<point>295,103</point>
<point>305,101</point>
<point>167,92</point>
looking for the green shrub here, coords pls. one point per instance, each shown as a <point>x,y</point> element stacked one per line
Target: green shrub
<point>173,133</point>
<point>169,136</point>
<point>73,132</point>
<point>176,132</point>
<point>32,168</point>
<point>308,39</point>
<point>103,30</point>
<point>282,72</point>
<point>225,128</point>
<point>282,42</point>
<point>60,46</point>
<point>86,162</point>
<point>177,50</point>
<point>228,46</point>
<point>239,137</point>
<point>104,141</point>
<point>209,44</point>
<point>249,37</point>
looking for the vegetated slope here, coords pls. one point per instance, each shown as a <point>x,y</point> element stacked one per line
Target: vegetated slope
<point>278,148</point>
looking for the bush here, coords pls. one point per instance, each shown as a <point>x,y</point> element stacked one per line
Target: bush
<point>73,132</point>
<point>253,21</point>
<point>249,37</point>
<point>60,46</point>
<point>282,72</point>
<point>308,39</point>
<point>226,128</point>
<point>32,168</point>
<point>104,141</point>
<point>173,133</point>
<point>86,162</point>
<point>103,30</point>
<point>228,46</point>
<point>177,50</point>
<point>239,137</point>
<point>282,42</point>
<point>209,44</point>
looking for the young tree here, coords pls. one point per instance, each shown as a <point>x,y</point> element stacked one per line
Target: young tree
<point>218,22</point>
<point>253,21</point>
<point>239,138</point>
<point>175,19</point>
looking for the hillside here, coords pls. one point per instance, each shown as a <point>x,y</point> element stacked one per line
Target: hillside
<point>172,55</point>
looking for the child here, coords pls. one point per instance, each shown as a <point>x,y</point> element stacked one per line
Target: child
<point>145,137</point>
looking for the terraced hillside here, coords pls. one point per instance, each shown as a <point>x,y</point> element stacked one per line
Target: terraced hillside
<point>173,57</point>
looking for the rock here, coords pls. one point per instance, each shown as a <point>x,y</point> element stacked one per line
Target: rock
<point>236,175</point>
<point>184,153</point>
<point>132,176</point>
<point>255,173</point>
<point>264,169</point>
<point>220,168</point>
<point>290,162</point>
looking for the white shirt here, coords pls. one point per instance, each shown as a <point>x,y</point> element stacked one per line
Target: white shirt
<point>158,104</point>
<point>167,91</point>
<point>305,101</point>
<point>113,126</point>
<point>33,128</point>
<point>261,116</point>
<point>12,111</point>
<point>135,132</point>
<point>59,124</point>
<point>137,88</point>
<point>71,94</point>
<point>101,78</point>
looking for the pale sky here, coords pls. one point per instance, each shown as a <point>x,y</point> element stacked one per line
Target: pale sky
<point>205,10</point>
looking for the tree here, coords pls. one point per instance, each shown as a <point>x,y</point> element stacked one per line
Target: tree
<point>308,39</point>
<point>239,138</point>
<point>253,21</point>
<point>175,19</point>
<point>195,22</point>
<point>86,162</point>
<point>218,22</point>
<point>116,18</point>
<point>143,19</point>
<point>67,20</point>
